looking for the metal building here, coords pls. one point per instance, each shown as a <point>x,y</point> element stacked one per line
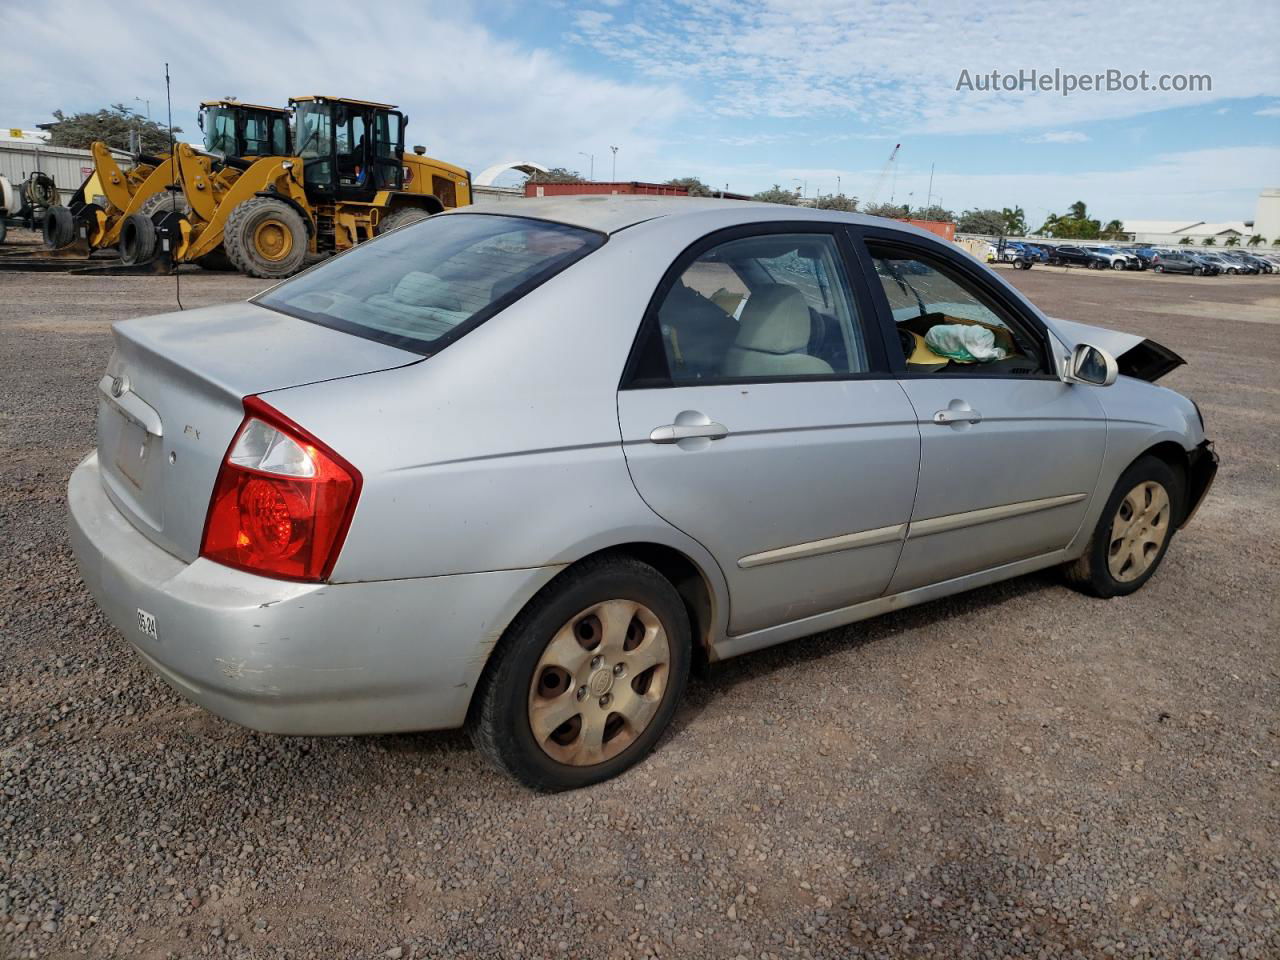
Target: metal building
<point>23,152</point>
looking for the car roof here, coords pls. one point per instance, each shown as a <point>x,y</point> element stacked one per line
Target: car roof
<point>609,213</point>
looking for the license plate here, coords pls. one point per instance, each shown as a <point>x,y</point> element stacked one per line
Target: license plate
<point>147,625</point>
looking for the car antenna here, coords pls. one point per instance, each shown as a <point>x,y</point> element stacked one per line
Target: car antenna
<point>173,192</point>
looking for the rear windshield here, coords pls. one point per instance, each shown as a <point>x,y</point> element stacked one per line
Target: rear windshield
<point>429,283</point>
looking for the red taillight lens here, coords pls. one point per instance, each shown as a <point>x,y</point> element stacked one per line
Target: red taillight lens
<point>282,502</point>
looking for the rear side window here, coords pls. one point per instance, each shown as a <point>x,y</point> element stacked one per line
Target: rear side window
<point>425,285</point>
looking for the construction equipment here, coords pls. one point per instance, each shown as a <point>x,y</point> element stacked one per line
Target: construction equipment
<point>349,181</point>
<point>23,204</point>
<point>874,195</point>
<point>96,216</point>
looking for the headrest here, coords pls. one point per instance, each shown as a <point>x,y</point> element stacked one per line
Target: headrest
<point>419,289</point>
<point>774,320</point>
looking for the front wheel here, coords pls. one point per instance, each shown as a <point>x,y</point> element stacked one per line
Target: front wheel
<point>586,678</point>
<point>1196,271</point>
<point>1158,269</point>
<point>266,238</point>
<point>1117,265</point>
<point>1133,532</point>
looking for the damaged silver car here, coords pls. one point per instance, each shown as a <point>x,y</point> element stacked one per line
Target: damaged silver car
<point>515,468</point>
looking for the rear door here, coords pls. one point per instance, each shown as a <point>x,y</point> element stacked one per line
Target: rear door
<point>758,417</point>
<point>1009,453</point>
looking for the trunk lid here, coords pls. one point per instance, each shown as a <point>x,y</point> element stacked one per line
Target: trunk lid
<point>172,399</point>
<point>1136,356</point>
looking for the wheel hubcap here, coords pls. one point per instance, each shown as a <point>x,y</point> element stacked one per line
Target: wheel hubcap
<point>273,240</point>
<point>1138,531</point>
<point>599,682</point>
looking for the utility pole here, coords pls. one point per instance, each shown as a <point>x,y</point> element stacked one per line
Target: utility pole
<point>615,165</point>
<point>592,158</point>
<point>148,103</point>
<point>838,193</point>
<point>929,202</point>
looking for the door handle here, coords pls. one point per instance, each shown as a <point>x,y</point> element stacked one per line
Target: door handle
<point>957,412</point>
<point>675,432</point>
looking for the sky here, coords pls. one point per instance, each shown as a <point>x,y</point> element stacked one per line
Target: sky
<point>802,93</point>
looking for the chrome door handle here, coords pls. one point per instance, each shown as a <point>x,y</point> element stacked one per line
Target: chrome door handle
<point>957,414</point>
<point>675,432</point>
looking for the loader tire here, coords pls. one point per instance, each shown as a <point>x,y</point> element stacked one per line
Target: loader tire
<point>137,239</point>
<point>4,228</point>
<point>216,260</point>
<point>266,238</point>
<point>400,218</point>
<point>59,227</point>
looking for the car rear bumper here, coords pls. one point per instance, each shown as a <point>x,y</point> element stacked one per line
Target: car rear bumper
<point>295,658</point>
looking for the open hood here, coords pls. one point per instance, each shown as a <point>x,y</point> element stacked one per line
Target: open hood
<point>1136,356</point>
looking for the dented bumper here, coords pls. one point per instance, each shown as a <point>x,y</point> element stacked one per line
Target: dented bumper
<point>1202,467</point>
<point>294,658</point>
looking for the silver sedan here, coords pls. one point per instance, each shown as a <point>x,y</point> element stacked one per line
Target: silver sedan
<point>517,467</point>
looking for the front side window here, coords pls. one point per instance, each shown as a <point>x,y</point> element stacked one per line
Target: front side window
<point>945,325</point>
<point>220,131</point>
<point>424,285</point>
<point>315,142</point>
<point>776,306</point>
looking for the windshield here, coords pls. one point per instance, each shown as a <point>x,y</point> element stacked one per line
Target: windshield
<point>220,130</point>
<point>427,284</point>
<point>315,131</point>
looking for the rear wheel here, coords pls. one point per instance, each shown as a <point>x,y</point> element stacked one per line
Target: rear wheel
<point>1158,268</point>
<point>59,227</point>
<point>266,238</point>
<point>586,678</point>
<point>1132,533</point>
<point>400,218</point>
<point>1196,271</point>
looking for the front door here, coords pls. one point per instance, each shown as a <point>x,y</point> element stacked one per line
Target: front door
<point>1009,453</point>
<point>758,418</point>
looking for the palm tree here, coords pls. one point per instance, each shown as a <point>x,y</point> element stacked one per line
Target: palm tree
<point>1256,239</point>
<point>1184,241</point>
<point>1114,230</point>
<point>1208,242</point>
<point>1232,241</point>
<point>1015,221</point>
<point>1050,224</point>
<point>1078,210</point>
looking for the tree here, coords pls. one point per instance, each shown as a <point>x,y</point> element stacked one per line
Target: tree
<point>112,126</point>
<point>933,212</point>
<point>1114,230</point>
<point>695,186</point>
<point>1050,225</point>
<point>557,175</point>
<point>837,201</point>
<point>891,210</point>
<point>1015,221</point>
<point>1184,241</point>
<point>1078,211</point>
<point>1256,239</point>
<point>989,222</point>
<point>1232,241</point>
<point>1208,242</point>
<point>776,194</point>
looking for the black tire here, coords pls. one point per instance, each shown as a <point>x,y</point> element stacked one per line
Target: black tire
<point>1196,271</point>
<point>401,218</point>
<point>499,720</point>
<point>59,227</point>
<point>1158,268</point>
<point>248,226</point>
<point>165,201</point>
<point>137,239</point>
<point>1117,264</point>
<point>4,229</point>
<point>216,261</point>
<point>1092,573</point>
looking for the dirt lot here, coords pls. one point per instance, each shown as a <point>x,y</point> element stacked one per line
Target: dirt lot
<point>1016,772</point>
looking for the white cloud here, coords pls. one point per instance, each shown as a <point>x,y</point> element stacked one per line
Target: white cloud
<point>1271,111</point>
<point>471,97</point>
<point>1059,136</point>
<point>895,64</point>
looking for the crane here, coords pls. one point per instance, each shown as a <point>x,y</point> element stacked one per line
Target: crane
<point>884,175</point>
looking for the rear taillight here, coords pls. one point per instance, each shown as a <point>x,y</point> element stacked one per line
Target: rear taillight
<point>282,502</point>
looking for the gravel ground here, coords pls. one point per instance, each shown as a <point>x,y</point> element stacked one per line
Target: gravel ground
<point>1017,772</point>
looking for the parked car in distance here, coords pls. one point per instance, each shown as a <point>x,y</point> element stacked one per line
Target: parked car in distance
<point>1178,262</point>
<point>1261,264</point>
<point>1239,261</point>
<point>517,469</point>
<point>1116,259</point>
<point>1221,264</point>
<point>1071,255</point>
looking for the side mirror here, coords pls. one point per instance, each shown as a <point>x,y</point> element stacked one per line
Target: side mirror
<point>1091,365</point>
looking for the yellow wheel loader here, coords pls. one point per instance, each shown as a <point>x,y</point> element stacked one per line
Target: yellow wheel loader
<point>349,180</point>
<point>95,217</point>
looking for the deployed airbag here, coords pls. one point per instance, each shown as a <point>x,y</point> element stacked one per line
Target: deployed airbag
<point>964,342</point>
